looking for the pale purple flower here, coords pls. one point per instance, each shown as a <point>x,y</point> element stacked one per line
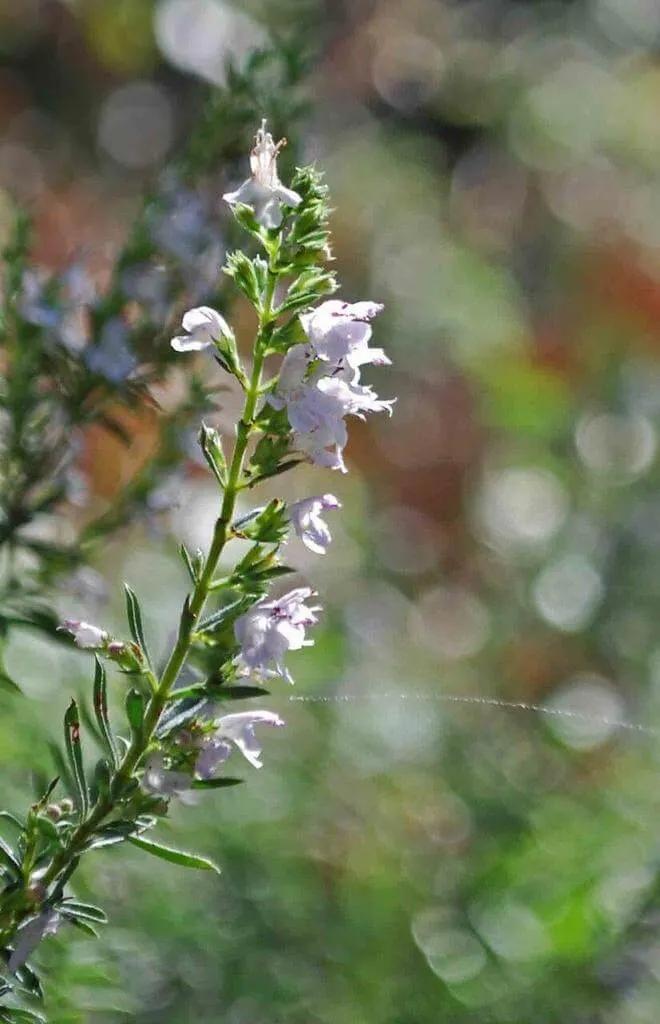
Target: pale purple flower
<point>316,411</point>
<point>306,520</point>
<point>292,376</point>
<point>112,356</point>
<point>180,221</point>
<point>339,333</point>
<point>158,780</point>
<point>66,318</point>
<point>149,285</point>
<point>236,729</point>
<point>30,935</point>
<point>84,633</point>
<point>271,628</point>
<point>349,398</point>
<point>321,449</point>
<point>264,191</point>
<point>319,382</point>
<point>77,285</point>
<point>204,326</point>
<point>33,305</point>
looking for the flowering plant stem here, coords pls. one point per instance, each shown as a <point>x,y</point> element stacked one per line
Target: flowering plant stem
<point>177,742</point>
<point>66,859</point>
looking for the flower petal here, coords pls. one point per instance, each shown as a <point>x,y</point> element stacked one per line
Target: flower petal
<point>207,318</point>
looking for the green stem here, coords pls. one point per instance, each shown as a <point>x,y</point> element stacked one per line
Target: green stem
<point>189,619</point>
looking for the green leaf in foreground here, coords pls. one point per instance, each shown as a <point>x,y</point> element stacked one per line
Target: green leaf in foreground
<point>187,860</point>
<point>101,710</point>
<point>9,858</point>
<point>134,616</point>
<point>12,1015</point>
<point>215,783</point>
<point>88,911</point>
<point>74,754</point>
<point>135,708</point>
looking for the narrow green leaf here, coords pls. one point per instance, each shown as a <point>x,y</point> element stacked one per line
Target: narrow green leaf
<point>9,858</point>
<point>135,706</point>
<point>187,618</point>
<point>30,981</point>
<point>220,617</point>
<point>273,572</point>
<point>86,910</point>
<point>194,690</point>
<point>8,816</point>
<point>49,790</point>
<point>239,692</point>
<point>215,783</point>
<point>102,779</point>
<point>7,683</point>
<point>83,926</point>
<point>134,616</point>
<point>187,860</point>
<point>12,1015</point>
<point>74,753</point>
<point>101,710</point>
<point>188,562</point>
<point>98,841</point>
<point>177,715</point>
<point>122,827</point>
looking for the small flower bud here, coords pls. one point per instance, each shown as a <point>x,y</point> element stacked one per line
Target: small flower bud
<point>54,812</point>
<point>127,656</point>
<point>67,805</point>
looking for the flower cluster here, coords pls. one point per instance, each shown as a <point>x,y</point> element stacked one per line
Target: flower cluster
<point>319,383</point>
<point>271,628</point>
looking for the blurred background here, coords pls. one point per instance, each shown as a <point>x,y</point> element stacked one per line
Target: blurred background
<point>460,822</point>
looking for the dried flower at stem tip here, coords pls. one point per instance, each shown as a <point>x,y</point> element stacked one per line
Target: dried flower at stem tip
<point>264,191</point>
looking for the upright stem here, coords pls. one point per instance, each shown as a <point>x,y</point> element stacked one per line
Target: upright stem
<point>189,620</point>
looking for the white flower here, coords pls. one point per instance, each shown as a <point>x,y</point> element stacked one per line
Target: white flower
<point>271,628</point>
<point>349,398</point>
<point>315,445</point>
<point>30,935</point>
<point>84,633</point>
<point>306,520</point>
<point>316,412</point>
<point>264,191</point>
<point>339,333</point>
<point>205,326</point>
<point>292,376</point>
<point>319,382</point>
<point>160,781</point>
<point>239,730</point>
